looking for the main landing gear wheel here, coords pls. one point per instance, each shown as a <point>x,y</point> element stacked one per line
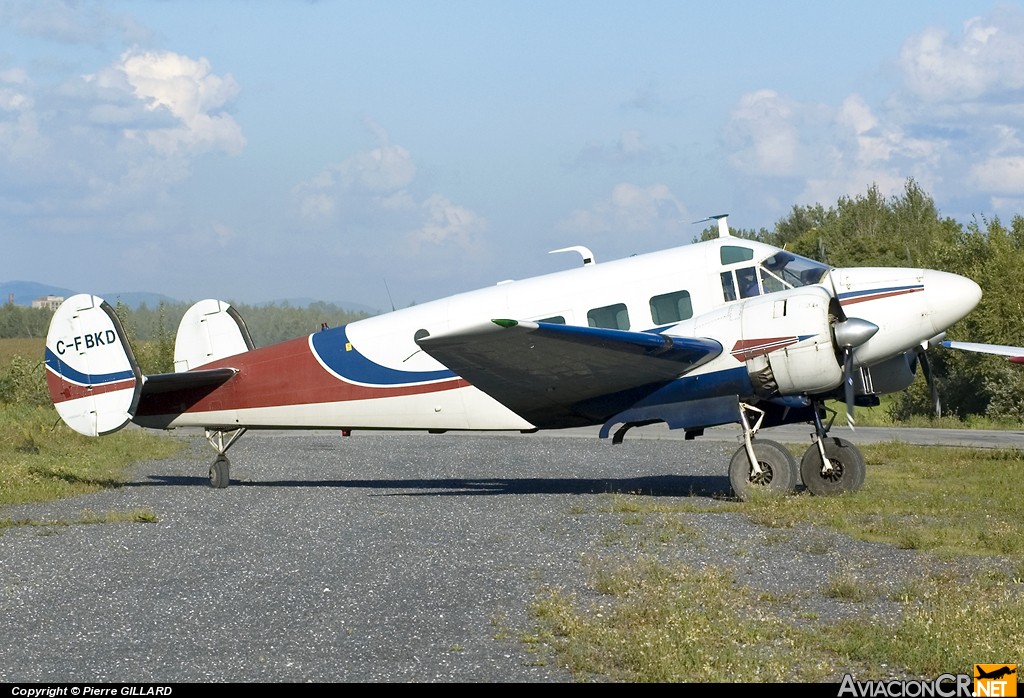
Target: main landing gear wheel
<point>843,470</point>
<point>778,470</point>
<point>220,472</point>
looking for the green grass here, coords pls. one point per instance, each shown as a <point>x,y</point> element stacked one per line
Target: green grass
<point>665,622</point>
<point>42,459</point>
<point>951,502</point>
<point>654,619</point>
<point>87,516</point>
<point>29,348</point>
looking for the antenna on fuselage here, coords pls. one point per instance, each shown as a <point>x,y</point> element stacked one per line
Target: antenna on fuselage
<point>588,256</point>
<point>723,223</point>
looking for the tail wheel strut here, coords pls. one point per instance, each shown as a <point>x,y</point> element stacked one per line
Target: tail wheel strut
<point>222,440</point>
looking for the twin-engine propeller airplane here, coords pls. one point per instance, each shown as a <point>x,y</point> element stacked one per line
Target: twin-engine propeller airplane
<point>717,332</point>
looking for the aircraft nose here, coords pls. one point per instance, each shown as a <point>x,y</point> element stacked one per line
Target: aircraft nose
<point>950,297</point>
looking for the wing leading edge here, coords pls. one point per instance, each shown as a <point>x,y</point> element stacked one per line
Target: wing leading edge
<point>563,375</point>
<point>1015,354</point>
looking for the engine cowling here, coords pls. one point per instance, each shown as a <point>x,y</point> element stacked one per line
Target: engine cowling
<point>785,340</point>
<point>788,343</point>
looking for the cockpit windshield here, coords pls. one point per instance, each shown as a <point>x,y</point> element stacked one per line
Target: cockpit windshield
<point>787,270</point>
<point>776,273</point>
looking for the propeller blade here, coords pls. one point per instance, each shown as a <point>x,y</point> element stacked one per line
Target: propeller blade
<point>848,385</point>
<point>922,358</point>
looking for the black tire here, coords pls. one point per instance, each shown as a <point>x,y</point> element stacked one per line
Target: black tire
<point>846,473</point>
<point>779,470</point>
<point>220,472</point>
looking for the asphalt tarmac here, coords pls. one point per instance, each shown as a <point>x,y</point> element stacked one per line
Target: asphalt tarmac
<point>380,557</point>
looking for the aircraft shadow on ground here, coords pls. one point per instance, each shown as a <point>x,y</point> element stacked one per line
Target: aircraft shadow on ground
<point>650,486</point>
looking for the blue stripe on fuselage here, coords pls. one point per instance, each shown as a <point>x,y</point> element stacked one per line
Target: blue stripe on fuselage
<point>330,347</point>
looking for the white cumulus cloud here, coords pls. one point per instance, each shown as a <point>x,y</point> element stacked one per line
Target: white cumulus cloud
<point>984,60</point>
<point>189,91</point>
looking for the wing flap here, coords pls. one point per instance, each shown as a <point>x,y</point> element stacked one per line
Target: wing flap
<point>546,372</point>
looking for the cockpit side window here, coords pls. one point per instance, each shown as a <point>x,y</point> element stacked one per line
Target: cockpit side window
<point>728,287</point>
<point>746,279</point>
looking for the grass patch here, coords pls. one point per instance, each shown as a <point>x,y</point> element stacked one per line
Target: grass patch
<point>41,459</point>
<point>658,621</point>
<point>947,501</point>
<point>87,516</point>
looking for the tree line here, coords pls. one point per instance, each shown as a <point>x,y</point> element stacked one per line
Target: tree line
<point>870,229</point>
<point>907,230</point>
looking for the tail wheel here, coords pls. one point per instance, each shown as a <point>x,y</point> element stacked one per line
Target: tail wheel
<point>220,472</point>
<point>842,471</point>
<point>779,473</point>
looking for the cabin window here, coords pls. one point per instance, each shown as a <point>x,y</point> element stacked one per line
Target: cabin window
<point>671,307</point>
<point>554,320</point>
<point>613,317</point>
<point>732,254</point>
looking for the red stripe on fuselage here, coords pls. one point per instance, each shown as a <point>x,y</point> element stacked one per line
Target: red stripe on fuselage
<point>875,297</point>
<point>746,349</point>
<point>62,390</point>
<point>280,375</point>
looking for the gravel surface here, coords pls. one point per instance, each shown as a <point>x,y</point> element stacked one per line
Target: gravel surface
<point>378,557</point>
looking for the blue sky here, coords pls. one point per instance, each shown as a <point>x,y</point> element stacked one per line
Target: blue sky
<point>254,151</point>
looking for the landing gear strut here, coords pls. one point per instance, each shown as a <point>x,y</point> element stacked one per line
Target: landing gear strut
<point>760,465</point>
<point>831,465</point>
<point>220,470</point>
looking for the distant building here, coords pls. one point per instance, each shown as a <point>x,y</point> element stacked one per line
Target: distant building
<point>48,302</point>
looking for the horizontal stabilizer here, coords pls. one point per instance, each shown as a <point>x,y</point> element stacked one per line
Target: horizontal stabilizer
<point>541,370</point>
<point>170,382</point>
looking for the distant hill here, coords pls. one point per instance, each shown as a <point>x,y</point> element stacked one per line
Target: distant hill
<point>24,292</point>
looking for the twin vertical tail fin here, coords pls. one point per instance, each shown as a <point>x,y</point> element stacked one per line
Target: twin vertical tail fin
<point>91,373</point>
<point>209,331</point>
<point>93,377</point>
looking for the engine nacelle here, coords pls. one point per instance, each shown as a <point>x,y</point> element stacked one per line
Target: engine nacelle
<point>800,355</point>
<point>889,376</point>
<point>785,339</point>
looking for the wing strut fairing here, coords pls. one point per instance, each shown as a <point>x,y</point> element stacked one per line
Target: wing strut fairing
<point>558,376</point>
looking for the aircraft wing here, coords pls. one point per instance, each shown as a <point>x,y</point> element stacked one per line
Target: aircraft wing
<point>1015,354</point>
<point>563,375</point>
